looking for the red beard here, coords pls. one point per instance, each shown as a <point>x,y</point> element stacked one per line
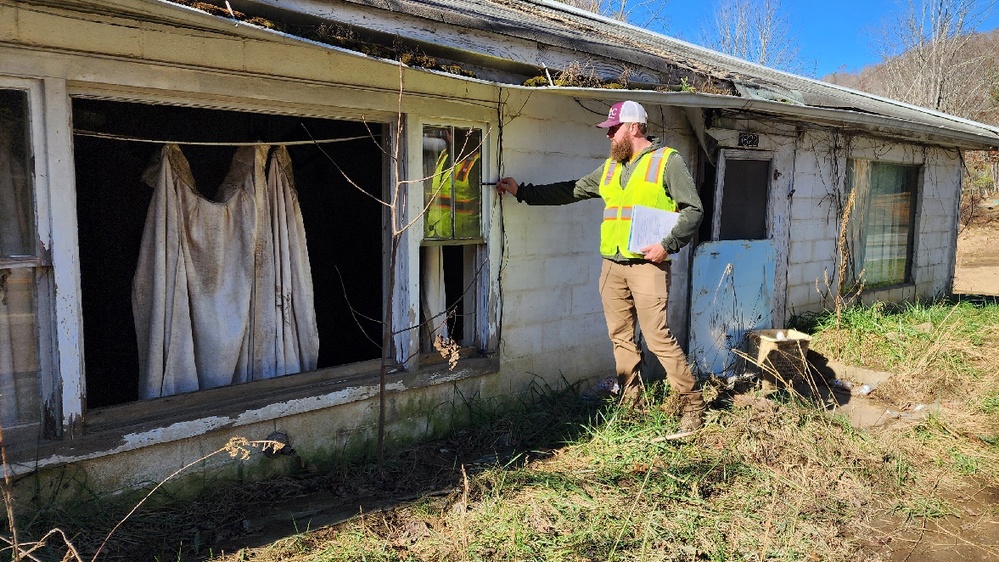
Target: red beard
<point>621,151</point>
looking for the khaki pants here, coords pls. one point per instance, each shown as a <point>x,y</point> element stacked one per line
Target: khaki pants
<point>640,291</point>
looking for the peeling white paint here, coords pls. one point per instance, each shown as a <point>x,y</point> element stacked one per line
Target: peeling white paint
<point>202,426</point>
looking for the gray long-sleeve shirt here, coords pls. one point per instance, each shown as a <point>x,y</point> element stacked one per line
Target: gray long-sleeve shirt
<point>676,181</point>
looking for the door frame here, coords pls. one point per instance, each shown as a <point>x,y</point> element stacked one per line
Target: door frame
<point>781,152</point>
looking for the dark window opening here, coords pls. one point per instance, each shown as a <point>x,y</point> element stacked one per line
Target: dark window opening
<point>744,200</point>
<point>456,319</point>
<point>454,287</point>
<point>343,226</point>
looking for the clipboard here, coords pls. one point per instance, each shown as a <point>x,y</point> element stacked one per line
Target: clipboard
<point>649,226</point>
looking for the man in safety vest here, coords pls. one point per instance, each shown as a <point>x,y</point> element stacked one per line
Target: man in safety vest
<point>641,170</point>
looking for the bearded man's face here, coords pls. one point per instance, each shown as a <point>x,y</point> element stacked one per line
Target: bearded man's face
<point>620,150</point>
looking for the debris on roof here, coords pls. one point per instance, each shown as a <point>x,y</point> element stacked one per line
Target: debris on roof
<point>338,35</point>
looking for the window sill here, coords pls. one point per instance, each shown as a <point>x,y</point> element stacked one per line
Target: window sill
<point>890,293</point>
<point>136,425</point>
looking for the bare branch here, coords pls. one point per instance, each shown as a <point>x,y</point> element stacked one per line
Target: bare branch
<point>933,58</point>
<point>754,30</point>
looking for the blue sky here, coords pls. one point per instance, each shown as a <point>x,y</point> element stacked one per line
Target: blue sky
<point>840,35</point>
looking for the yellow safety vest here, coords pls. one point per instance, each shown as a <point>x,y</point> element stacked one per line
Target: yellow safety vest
<point>466,201</point>
<point>645,187</point>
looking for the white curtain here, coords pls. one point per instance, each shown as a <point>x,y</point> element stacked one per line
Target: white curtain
<point>19,390</point>
<point>222,293</point>
<point>434,305</point>
<point>296,345</point>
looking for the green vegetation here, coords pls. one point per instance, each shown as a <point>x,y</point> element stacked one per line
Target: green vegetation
<point>780,478</point>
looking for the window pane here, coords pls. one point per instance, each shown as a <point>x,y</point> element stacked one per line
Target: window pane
<point>881,222</point>
<point>452,189</point>
<point>17,212</point>
<point>468,184</point>
<point>437,187</point>
<point>744,200</point>
<point>19,390</point>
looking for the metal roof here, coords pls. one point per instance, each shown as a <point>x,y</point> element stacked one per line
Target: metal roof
<point>553,25</point>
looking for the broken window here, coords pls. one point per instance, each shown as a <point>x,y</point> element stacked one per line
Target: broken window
<point>24,268</point>
<point>881,220</point>
<point>452,234</point>
<point>335,184</point>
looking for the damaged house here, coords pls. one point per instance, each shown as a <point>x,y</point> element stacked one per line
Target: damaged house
<point>209,208</point>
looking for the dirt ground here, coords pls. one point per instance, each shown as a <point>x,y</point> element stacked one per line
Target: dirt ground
<point>977,267</point>
<point>975,533</point>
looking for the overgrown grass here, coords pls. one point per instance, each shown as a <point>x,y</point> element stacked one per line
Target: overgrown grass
<point>779,477</point>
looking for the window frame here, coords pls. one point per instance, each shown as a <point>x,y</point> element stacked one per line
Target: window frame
<point>72,374</point>
<point>43,264</point>
<point>852,270</point>
<point>724,156</point>
<point>65,399</point>
<point>484,257</point>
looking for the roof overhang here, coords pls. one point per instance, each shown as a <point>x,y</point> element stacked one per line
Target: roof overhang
<point>965,134</point>
<point>877,125</point>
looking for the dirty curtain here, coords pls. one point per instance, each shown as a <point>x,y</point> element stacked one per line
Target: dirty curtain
<point>222,293</point>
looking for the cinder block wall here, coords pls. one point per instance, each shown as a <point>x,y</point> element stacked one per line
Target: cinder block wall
<point>820,173</point>
<point>552,325</point>
<point>937,223</point>
<point>814,223</point>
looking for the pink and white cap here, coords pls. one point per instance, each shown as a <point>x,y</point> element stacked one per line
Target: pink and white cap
<point>624,112</point>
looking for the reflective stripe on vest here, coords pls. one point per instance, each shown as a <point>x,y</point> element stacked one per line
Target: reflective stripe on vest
<point>610,172</point>
<point>645,187</point>
<point>617,213</point>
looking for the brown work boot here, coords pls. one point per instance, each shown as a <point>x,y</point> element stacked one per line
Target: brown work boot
<point>692,419</point>
<point>633,397</point>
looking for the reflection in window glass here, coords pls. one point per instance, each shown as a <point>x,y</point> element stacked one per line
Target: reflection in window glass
<point>452,235</point>
<point>880,232</point>
<point>19,390</point>
<point>20,394</point>
<point>17,213</point>
<point>453,186</point>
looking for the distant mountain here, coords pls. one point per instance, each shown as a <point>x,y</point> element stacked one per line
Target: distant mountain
<point>960,77</point>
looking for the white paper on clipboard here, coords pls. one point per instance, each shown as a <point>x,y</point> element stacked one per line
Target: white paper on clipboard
<point>649,226</point>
